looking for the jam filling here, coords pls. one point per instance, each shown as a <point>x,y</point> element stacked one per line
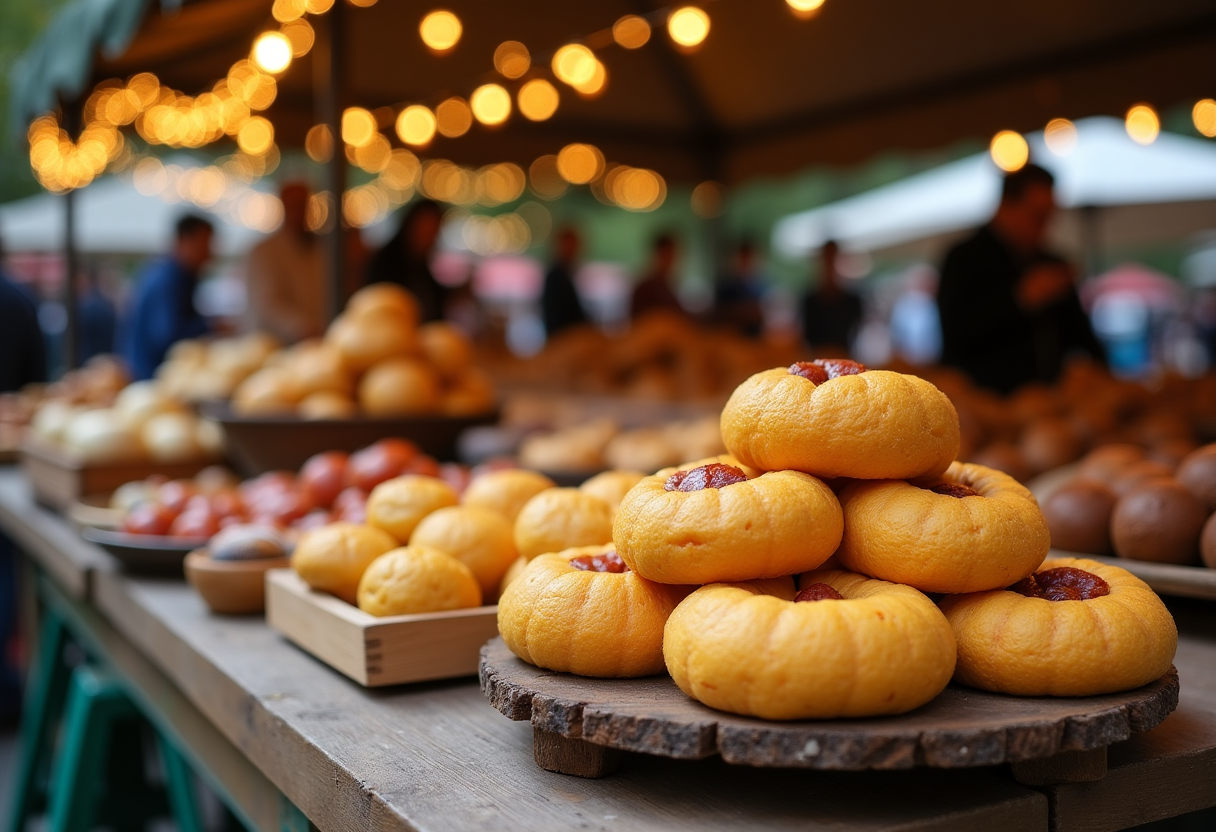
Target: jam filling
<point>605,562</point>
<point>714,475</point>
<point>822,369</point>
<point>818,592</point>
<point>1065,583</point>
<point>953,489</point>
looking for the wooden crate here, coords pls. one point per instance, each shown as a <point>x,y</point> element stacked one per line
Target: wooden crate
<point>377,651</point>
<point>60,478</point>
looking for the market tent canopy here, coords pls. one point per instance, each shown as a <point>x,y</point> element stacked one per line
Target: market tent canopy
<point>765,94</point>
<point>1105,169</point>
<point>112,218</point>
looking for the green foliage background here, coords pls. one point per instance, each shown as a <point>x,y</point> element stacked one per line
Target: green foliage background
<point>20,23</point>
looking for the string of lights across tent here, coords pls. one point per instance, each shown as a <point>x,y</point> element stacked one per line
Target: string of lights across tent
<point>165,117</point>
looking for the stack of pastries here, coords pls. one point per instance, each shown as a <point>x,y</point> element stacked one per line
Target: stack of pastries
<point>788,579</point>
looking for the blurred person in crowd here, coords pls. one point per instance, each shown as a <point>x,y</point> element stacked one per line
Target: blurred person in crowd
<point>96,317</point>
<point>654,291</point>
<point>22,351</point>
<point>162,310</point>
<point>406,259</point>
<point>559,300</point>
<point>831,315</point>
<point>285,277</point>
<point>738,294</point>
<point>1009,308</point>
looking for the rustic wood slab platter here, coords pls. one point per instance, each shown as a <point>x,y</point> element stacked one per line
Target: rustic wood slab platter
<point>961,728</point>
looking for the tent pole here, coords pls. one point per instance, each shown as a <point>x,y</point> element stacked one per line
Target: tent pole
<point>71,259</point>
<point>328,59</point>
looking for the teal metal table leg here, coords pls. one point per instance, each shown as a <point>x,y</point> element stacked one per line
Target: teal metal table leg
<point>44,694</point>
<point>179,781</point>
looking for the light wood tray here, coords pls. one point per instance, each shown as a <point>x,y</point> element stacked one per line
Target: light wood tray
<point>377,651</point>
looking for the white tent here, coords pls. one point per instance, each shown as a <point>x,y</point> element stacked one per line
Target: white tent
<point>1165,190</point>
<point>112,217</point>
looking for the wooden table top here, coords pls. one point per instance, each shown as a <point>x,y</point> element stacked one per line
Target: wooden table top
<point>438,756</point>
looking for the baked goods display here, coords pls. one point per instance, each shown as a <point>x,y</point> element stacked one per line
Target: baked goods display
<point>836,418</point>
<point>506,491</point>
<point>1076,627</point>
<point>773,632</point>
<point>711,521</point>
<point>601,443</point>
<point>416,579</point>
<point>1122,502</point>
<point>770,650</point>
<point>480,538</point>
<point>92,386</point>
<point>970,529</point>
<point>376,360</point>
<point>584,611</point>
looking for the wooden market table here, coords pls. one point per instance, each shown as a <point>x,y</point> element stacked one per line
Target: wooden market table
<point>260,717</point>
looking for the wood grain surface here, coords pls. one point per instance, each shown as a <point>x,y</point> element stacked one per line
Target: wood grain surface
<point>962,727</point>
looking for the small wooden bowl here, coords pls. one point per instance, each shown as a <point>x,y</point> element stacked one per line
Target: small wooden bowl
<point>231,587</point>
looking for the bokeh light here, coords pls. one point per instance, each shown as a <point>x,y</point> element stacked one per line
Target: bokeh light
<point>256,137</point>
<point>416,125</point>
<point>538,99</point>
<point>804,8</point>
<point>358,126</point>
<point>500,183</point>
<point>635,189</point>
<point>373,157</point>
<point>1060,136</point>
<point>491,104</point>
<point>688,26</point>
<point>285,11</point>
<point>319,143</point>
<point>272,52</point>
<point>318,6</point>
<point>578,163</point>
<point>301,35</point>
<point>440,30</point>
<point>453,117</point>
<point>1204,116</point>
<point>1142,124</point>
<point>538,218</point>
<point>631,31</point>
<point>574,64</point>
<point>594,85</point>
<point>708,199</point>
<point>316,214</point>
<point>1009,150</point>
<point>512,59</point>
<point>545,180</point>
<point>402,170</point>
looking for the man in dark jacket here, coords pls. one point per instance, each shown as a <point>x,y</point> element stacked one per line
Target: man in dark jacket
<point>22,352</point>
<point>1009,308</point>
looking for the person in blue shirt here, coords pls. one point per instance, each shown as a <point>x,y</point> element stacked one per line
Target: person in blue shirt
<point>162,310</point>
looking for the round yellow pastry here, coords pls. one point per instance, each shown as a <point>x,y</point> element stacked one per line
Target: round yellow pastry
<point>582,611</point>
<point>333,558</point>
<point>972,529</point>
<point>561,518</point>
<point>401,386</point>
<point>1076,627</point>
<point>417,579</point>
<point>612,486</point>
<point>831,419</point>
<point>852,647</point>
<point>372,336</point>
<point>506,491</point>
<point>516,569</point>
<point>398,505</point>
<point>479,538</point>
<point>378,296</point>
<point>709,521</point>
<point>446,347</point>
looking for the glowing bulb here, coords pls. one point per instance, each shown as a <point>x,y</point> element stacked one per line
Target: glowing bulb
<point>1204,116</point>
<point>574,64</point>
<point>301,35</point>
<point>1060,136</point>
<point>595,84</point>
<point>272,52</point>
<point>631,31</point>
<point>1009,150</point>
<point>688,26</point>
<point>256,137</point>
<point>453,117</point>
<point>804,8</point>
<point>538,99</point>
<point>491,104</point>
<point>440,30</point>
<point>578,164</point>
<point>1142,124</point>
<point>416,125</point>
<point>358,126</point>
<point>287,10</point>
<point>318,6</point>
<point>708,199</point>
<point>512,59</point>
<point>319,143</point>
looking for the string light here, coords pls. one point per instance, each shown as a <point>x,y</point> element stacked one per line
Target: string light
<point>538,99</point>
<point>272,52</point>
<point>491,104</point>
<point>416,125</point>
<point>804,8</point>
<point>301,35</point>
<point>358,126</point>
<point>453,117</point>
<point>708,199</point>
<point>574,64</point>
<point>286,11</point>
<point>580,163</point>
<point>631,32</point>
<point>1142,124</point>
<point>1009,150</point>
<point>440,30</point>
<point>1204,116</point>
<point>512,59</point>
<point>688,26</point>
<point>1060,136</point>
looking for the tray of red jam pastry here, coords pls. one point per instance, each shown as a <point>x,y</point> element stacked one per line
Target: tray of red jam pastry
<point>835,592</point>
